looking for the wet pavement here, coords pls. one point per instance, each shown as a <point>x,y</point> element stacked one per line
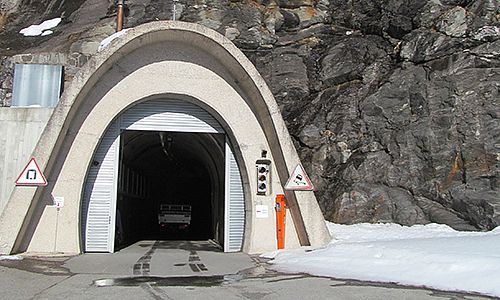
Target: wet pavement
<point>182,270</point>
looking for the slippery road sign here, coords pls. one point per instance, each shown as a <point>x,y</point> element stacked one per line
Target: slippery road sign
<point>31,175</point>
<point>299,180</point>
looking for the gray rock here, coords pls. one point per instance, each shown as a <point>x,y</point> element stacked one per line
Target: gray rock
<point>274,20</point>
<point>310,135</point>
<point>6,79</point>
<point>481,207</point>
<point>286,72</point>
<point>290,19</point>
<point>85,47</point>
<point>294,3</point>
<point>483,13</point>
<point>231,33</point>
<point>453,22</point>
<point>423,45</point>
<point>348,58</point>
<point>430,13</point>
<point>441,215</point>
<point>377,203</point>
<point>9,5</point>
<point>308,16</point>
<point>210,18</point>
<point>487,33</point>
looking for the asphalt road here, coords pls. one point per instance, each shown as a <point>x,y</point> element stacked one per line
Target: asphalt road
<point>182,270</point>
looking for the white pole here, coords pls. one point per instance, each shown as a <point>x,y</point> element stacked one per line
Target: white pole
<point>174,12</point>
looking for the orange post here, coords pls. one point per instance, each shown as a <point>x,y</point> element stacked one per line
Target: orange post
<point>280,220</point>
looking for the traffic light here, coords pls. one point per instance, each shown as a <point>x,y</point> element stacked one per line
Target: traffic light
<point>263,176</point>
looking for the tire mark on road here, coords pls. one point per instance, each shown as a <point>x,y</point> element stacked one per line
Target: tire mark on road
<point>143,265</point>
<point>196,267</point>
<point>155,292</point>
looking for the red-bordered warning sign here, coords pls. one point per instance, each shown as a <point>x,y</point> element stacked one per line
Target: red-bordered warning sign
<point>31,175</point>
<point>299,180</point>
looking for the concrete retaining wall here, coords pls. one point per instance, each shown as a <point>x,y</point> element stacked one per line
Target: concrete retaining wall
<point>20,129</point>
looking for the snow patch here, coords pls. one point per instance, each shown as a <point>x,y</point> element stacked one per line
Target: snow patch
<point>41,29</point>
<point>11,257</point>
<point>105,43</point>
<point>431,255</point>
<point>47,32</point>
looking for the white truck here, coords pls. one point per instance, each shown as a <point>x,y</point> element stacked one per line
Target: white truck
<point>174,216</point>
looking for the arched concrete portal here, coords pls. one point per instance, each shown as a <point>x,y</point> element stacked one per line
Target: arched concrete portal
<point>160,59</point>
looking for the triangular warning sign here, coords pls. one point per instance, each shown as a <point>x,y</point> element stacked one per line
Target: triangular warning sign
<point>31,175</point>
<point>299,180</point>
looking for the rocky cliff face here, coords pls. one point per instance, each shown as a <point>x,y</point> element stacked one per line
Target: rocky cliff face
<point>393,104</point>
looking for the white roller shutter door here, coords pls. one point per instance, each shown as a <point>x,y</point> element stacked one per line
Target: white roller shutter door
<point>100,194</point>
<point>234,205</point>
<point>169,115</point>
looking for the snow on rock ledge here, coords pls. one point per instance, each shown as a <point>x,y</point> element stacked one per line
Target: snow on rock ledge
<point>41,29</point>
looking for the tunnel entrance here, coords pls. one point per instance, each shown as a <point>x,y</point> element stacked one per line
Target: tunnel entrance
<point>178,171</point>
<point>157,156</point>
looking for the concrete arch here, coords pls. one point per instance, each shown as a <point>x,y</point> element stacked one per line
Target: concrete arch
<point>157,59</point>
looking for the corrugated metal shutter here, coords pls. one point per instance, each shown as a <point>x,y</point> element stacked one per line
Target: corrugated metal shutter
<point>234,204</point>
<point>169,115</point>
<point>100,194</point>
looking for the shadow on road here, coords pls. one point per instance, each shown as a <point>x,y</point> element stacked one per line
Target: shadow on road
<point>208,246</point>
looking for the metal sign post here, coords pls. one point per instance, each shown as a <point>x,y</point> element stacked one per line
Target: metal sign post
<point>58,202</point>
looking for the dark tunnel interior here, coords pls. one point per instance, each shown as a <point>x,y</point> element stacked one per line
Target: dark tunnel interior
<point>170,168</point>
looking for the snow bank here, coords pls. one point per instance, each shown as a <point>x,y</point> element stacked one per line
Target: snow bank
<point>41,29</point>
<point>430,255</point>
